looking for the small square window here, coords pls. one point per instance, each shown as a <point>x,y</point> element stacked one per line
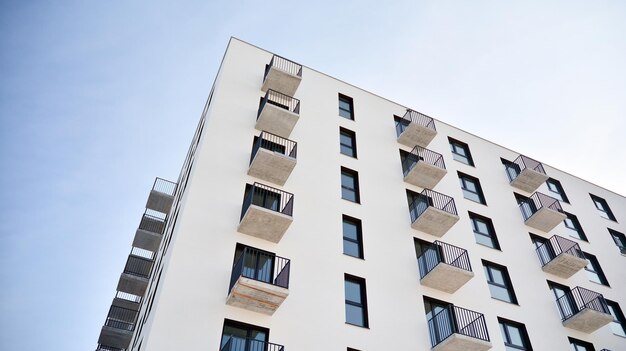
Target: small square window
<point>573,227</point>
<point>460,152</point>
<point>356,301</point>
<point>484,231</point>
<point>350,185</point>
<point>499,282</point>
<point>603,207</point>
<point>579,345</point>
<point>347,142</point>
<point>618,326</point>
<point>471,188</point>
<point>352,237</point>
<point>346,107</point>
<point>619,239</point>
<point>594,271</point>
<point>514,335</point>
<point>556,190</point>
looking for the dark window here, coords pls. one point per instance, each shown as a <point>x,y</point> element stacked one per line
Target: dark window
<point>263,197</point>
<point>352,238</point>
<point>440,319</point>
<point>514,335</point>
<point>564,299</point>
<point>257,264</point>
<point>484,231</point>
<point>418,203</point>
<point>556,190</point>
<point>499,282</point>
<point>471,188</point>
<point>408,161</point>
<point>347,142</point>
<point>241,336</point>
<point>346,107</point>
<point>579,345</point>
<point>618,326</point>
<point>350,185</point>
<point>356,301</point>
<point>401,124</point>
<point>603,207</point>
<point>619,239</point>
<point>594,271</point>
<point>573,227</point>
<point>512,169</point>
<point>460,152</point>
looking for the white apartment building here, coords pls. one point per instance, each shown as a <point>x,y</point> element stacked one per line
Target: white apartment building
<point>314,215</point>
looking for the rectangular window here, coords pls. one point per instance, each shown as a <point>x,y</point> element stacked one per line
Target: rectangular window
<point>356,301</point>
<point>603,207</point>
<point>460,152</point>
<point>484,231</point>
<point>242,336</point>
<point>499,282</point>
<point>346,107</point>
<point>514,335</point>
<point>350,185</point>
<point>619,239</point>
<point>579,345</point>
<point>556,190</point>
<point>347,142</point>
<point>618,326</point>
<point>352,238</point>
<point>564,299</point>
<point>594,271</point>
<point>573,227</point>
<point>471,188</point>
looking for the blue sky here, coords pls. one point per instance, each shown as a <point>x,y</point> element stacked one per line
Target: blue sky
<point>99,97</point>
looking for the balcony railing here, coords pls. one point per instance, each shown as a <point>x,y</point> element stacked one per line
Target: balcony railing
<point>430,198</point>
<point>121,318</point>
<point>281,100</point>
<point>420,154</point>
<point>261,266</point>
<point>138,266</point>
<point>151,221</point>
<point>418,118</point>
<point>284,65</point>
<point>456,320</point>
<point>164,186</point>
<point>235,343</point>
<point>269,198</point>
<point>579,299</point>
<point>520,164</point>
<point>536,202</point>
<point>128,297</point>
<point>557,245</point>
<point>274,143</point>
<point>440,252</point>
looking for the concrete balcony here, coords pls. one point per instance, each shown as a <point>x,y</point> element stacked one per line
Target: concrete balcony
<point>541,211</point>
<point>118,328</point>
<point>134,279</point>
<point>150,231</point>
<point>273,158</point>
<point>526,174</point>
<point>259,281</point>
<point>415,128</point>
<point>278,113</point>
<point>561,257</point>
<point>423,168</point>
<point>161,196</point>
<point>433,213</point>
<point>584,310</point>
<point>282,75</point>
<point>266,212</point>
<point>444,267</point>
<point>458,329</point>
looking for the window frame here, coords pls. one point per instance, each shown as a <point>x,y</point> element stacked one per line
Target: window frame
<point>363,299</point>
<point>466,178</point>
<point>603,207</point>
<point>504,323</point>
<point>619,239</point>
<point>474,217</point>
<point>359,234</point>
<point>352,147</point>
<point>558,190</point>
<point>619,321</point>
<point>350,102</point>
<point>465,159</point>
<point>248,328</point>
<point>354,175</point>
<point>575,227</point>
<point>508,285</point>
<point>579,343</point>
<point>594,269</point>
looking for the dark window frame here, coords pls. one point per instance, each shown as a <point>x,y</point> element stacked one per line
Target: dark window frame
<point>359,234</point>
<point>363,297</point>
<point>248,327</point>
<point>464,180</point>
<point>508,284</point>
<point>352,146</point>
<point>555,187</point>
<point>492,235</point>
<point>603,207</point>
<point>349,112</point>
<point>355,190</point>
<point>619,239</point>
<point>465,159</point>
<point>595,269</point>
<point>618,317</point>
<point>527,346</point>
<point>587,345</point>
<point>574,227</point>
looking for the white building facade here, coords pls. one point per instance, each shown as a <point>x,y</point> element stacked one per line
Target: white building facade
<point>314,215</point>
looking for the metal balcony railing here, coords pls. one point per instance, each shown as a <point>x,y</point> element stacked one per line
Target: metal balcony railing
<point>274,143</point>
<point>452,319</point>
<point>430,198</point>
<point>262,266</point>
<point>420,154</point>
<point>440,252</point>
<point>235,343</point>
<point>121,318</point>
<point>281,100</point>
<point>152,221</point>
<point>281,63</point>
<point>555,246</point>
<point>164,186</point>
<point>522,162</point>
<point>269,198</point>
<point>414,117</point>
<point>536,201</point>
<point>128,297</point>
<point>108,348</point>
<point>138,266</point>
<point>578,299</point>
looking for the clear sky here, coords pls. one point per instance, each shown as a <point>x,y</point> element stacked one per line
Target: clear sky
<point>99,97</point>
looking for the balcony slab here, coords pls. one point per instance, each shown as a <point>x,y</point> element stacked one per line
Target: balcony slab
<point>256,296</point>
<point>425,175</point>
<point>159,201</point>
<point>435,221</point>
<point>265,224</point>
<point>415,134</point>
<point>565,265</point>
<point>529,180</point>
<point>147,240</point>
<point>281,81</point>
<point>271,166</point>
<point>545,219</point>
<point>132,284</point>
<point>588,320</point>
<point>276,120</point>
<point>460,342</point>
<point>114,337</point>
<point>446,278</point>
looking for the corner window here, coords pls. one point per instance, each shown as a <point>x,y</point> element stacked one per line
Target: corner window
<point>347,142</point>
<point>460,152</point>
<point>499,282</point>
<point>471,188</point>
<point>573,227</point>
<point>618,326</point>
<point>514,335</point>
<point>579,345</point>
<point>619,239</point>
<point>350,185</point>
<point>484,231</point>
<point>594,271</point>
<point>603,207</point>
<point>556,190</point>
<point>346,107</point>
<point>352,238</point>
<point>356,301</point>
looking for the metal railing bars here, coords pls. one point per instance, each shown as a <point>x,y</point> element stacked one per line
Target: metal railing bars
<point>128,297</point>
<point>415,117</point>
<point>121,318</point>
<point>136,251</point>
<point>235,343</point>
<point>432,198</point>
<point>420,154</point>
<point>524,162</point>
<point>579,299</point>
<point>281,100</point>
<point>152,223</point>
<point>555,246</point>
<point>269,198</point>
<point>262,266</point>
<point>138,266</point>
<point>536,202</point>
<point>284,65</point>
<point>164,186</point>
<point>453,319</point>
<point>274,143</point>
<point>440,252</point>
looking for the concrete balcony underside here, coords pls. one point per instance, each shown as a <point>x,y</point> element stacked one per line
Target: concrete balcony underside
<point>114,337</point>
<point>588,320</point>
<point>256,296</point>
<point>545,219</point>
<point>425,175</point>
<point>134,306</point>
<point>276,120</point>
<point>529,180</point>
<point>415,134</point>
<point>446,278</point>
<point>281,82</point>
<point>265,224</point>
<point>435,221</point>
<point>271,166</point>
<point>565,265</point>
<point>460,342</point>
<point>159,201</point>
<point>132,284</point>
<point>147,240</point>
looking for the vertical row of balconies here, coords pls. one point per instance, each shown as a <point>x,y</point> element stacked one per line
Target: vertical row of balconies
<point>119,326</point>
